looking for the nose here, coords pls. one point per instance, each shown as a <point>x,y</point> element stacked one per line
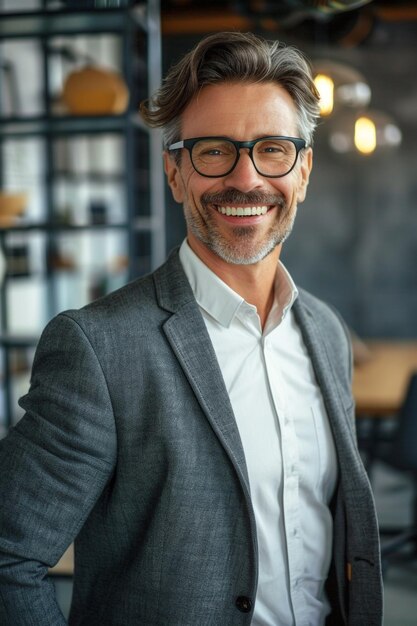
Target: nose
<point>244,176</point>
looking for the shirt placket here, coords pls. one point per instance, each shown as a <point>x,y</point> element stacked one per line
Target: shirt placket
<point>291,477</point>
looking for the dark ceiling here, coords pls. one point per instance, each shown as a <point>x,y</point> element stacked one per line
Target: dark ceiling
<point>305,19</point>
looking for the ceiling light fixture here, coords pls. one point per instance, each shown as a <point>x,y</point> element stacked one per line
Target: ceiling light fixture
<point>366,132</point>
<point>339,84</point>
<point>337,6</point>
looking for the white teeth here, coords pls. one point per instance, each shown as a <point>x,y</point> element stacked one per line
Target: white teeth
<point>242,211</point>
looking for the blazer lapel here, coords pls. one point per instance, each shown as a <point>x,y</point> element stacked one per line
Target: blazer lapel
<point>334,397</point>
<point>190,341</point>
<point>324,356</point>
<point>354,500</point>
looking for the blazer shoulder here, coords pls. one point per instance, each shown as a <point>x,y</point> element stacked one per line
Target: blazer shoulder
<point>144,303</point>
<point>330,327</point>
<point>130,308</point>
<point>325,315</point>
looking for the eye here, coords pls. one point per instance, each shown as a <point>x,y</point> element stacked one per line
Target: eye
<point>272,148</point>
<point>212,152</point>
<point>275,149</point>
<point>213,149</point>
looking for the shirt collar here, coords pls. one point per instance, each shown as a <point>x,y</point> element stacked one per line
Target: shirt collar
<point>222,303</point>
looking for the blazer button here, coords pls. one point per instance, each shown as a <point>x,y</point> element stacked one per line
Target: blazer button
<point>244,604</point>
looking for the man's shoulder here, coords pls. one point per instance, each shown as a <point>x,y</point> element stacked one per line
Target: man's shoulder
<point>139,302</point>
<point>149,297</point>
<point>325,317</point>
<point>319,309</point>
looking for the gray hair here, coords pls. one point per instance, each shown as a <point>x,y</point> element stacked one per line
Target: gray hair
<point>233,57</point>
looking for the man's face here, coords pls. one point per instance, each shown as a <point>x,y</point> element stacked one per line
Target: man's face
<point>240,111</point>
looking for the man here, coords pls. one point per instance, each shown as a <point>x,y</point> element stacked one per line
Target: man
<point>194,431</point>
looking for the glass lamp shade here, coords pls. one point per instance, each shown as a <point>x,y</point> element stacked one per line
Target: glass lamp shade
<point>364,132</point>
<point>340,85</point>
<point>337,6</point>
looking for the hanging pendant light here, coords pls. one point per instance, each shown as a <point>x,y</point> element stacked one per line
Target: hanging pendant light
<point>337,6</point>
<point>325,87</point>
<point>364,132</point>
<point>364,135</point>
<point>339,84</point>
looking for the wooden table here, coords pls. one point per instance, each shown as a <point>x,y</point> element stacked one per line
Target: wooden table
<point>380,381</point>
<point>65,565</point>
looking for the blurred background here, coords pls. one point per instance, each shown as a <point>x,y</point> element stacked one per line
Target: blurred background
<point>84,206</point>
<point>83,203</point>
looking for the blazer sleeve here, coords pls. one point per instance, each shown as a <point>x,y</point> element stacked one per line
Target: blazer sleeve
<point>54,464</point>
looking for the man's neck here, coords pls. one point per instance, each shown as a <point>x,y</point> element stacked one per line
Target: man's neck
<point>254,283</point>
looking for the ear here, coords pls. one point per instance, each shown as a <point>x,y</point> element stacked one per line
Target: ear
<point>174,179</point>
<point>305,169</point>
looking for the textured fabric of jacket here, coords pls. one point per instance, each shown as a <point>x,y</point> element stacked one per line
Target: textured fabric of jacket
<point>129,444</point>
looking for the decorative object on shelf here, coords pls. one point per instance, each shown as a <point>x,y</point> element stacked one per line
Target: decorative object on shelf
<point>98,212</point>
<point>17,261</point>
<point>94,90</point>
<point>58,260</point>
<point>2,266</point>
<point>12,205</point>
<point>19,361</point>
<point>340,85</point>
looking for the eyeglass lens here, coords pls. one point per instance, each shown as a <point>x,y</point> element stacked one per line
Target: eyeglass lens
<point>217,157</point>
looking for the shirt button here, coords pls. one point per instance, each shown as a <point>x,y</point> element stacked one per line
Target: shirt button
<point>244,604</point>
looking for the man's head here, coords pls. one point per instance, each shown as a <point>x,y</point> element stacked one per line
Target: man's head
<point>233,57</point>
<point>239,87</point>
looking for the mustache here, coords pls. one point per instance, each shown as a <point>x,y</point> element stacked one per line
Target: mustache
<point>233,196</point>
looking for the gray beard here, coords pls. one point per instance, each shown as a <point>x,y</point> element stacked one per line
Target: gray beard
<point>235,256</point>
<point>243,251</point>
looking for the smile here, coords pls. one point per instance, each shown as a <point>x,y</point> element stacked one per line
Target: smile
<point>242,211</point>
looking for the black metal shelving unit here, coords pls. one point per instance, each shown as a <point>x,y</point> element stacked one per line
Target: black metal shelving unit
<point>144,223</point>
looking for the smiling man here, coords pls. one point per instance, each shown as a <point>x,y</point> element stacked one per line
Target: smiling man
<point>194,431</point>
<point>240,202</point>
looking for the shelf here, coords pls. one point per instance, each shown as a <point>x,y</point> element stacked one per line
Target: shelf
<point>152,223</point>
<point>18,341</point>
<point>146,223</point>
<point>119,251</point>
<point>90,176</point>
<point>19,25</point>
<point>60,228</point>
<point>21,127</point>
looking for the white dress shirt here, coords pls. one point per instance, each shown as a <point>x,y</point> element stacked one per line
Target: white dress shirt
<point>286,438</point>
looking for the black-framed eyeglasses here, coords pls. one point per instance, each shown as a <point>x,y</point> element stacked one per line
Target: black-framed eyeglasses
<point>214,157</point>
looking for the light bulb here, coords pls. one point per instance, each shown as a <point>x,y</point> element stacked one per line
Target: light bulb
<point>325,87</point>
<point>365,135</point>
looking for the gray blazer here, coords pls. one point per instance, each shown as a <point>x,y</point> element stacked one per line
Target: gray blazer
<point>129,444</point>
